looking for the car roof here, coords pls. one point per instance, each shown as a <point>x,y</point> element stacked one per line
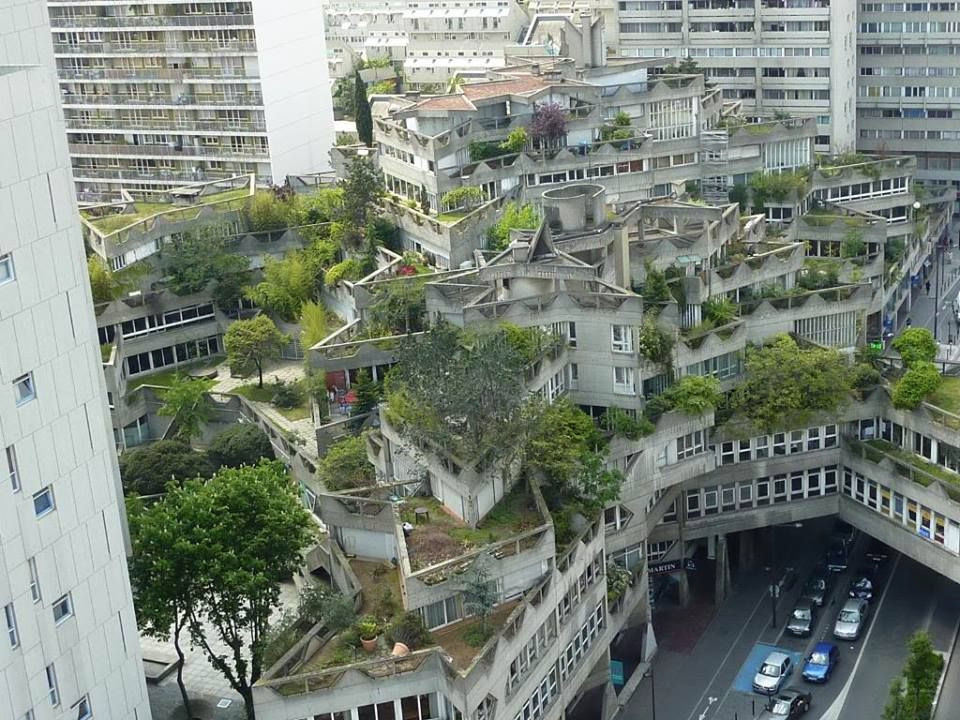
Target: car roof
<point>853,604</point>
<point>776,658</point>
<point>823,647</point>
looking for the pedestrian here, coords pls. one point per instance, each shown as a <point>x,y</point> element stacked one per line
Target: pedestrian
<point>928,287</point>
<point>909,322</point>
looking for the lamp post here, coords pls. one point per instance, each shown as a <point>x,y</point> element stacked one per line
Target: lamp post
<point>774,585</point>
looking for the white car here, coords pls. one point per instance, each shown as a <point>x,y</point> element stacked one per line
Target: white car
<point>772,673</point>
<point>851,619</point>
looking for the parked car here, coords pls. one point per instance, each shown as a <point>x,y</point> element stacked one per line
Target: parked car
<point>861,585</point>
<point>787,705</point>
<point>820,663</point>
<point>818,587</point>
<point>772,673</point>
<point>838,553</point>
<point>851,619</point>
<point>803,618</point>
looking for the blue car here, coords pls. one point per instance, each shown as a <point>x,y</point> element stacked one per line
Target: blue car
<point>820,663</point>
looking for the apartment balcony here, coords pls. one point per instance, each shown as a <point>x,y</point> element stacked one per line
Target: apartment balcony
<point>109,124</point>
<point>181,101</point>
<point>140,74</point>
<point>161,22</point>
<point>184,151</point>
<point>185,47</point>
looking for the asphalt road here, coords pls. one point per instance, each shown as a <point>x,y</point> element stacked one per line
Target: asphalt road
<point>700,685</point>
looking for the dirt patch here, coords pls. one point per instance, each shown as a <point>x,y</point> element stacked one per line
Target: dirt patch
<point>451,638</point>
<point>375,578</point>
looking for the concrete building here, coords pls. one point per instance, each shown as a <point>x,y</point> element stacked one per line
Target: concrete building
<point>70,646</point>
<point>158,95</point>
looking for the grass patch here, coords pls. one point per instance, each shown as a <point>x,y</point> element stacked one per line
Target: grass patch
<point>105,352</point>
<point>909,458</point>
<point>266,394</point>
<point>449,218</point>
<point>227,200</point>
<point>947,397</point>
<point>457,639</point>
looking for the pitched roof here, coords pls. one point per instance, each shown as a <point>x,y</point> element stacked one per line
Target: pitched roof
<point>445,102</point>
<point>520,85</point>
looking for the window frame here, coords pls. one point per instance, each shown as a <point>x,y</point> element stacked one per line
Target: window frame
<point>13,632</point>
<point>25,381</point>
<point>13,469</point>
<point>6,260</point>
<point>53,687</point>
<point>64,601</point>
<point>82,706</point>
<point>48,490</point>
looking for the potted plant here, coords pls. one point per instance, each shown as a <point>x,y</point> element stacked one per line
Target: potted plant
<point>368,629</point>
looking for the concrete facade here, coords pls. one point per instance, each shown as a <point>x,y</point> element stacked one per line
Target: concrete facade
<point>69,647</point>
<point>159,95</point>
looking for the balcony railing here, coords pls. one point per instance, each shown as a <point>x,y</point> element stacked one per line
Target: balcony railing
<point>239,100</point>
<point>148,47</point>
<point>165,150</point>
<point>162,22</point>
<point>139,74</point>
<point>171,125</point>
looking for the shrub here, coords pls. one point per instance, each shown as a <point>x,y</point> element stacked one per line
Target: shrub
<point>693,394</point>
<point>367,627</point>
<point>476,635</point>
<point>345,465</point>
<point>653,342</point>
<point>916,384</point>
<point>916,345</point>
<point>515,217</point>
<point>466,197</point>
<point>287,395</point>
<point>410,630</point>
<point>864,376</point>
<point>852,245</point>
<point>620,422</point>
<point>350,269</point>
<point>549,124</point>
<point>720,311</point>
<point>516,141</point>
<point>147,470</point>
<point>265,212</point>
<point>240,444</point>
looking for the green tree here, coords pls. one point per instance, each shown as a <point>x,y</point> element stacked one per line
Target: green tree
<point>185,400</point>
<point>911,694</point>
<point>345,465</point>
<point>786,384</point>
<point>287,284</point>
<point>266,212</point>
<point>467,197</point>
<point>146,470</point>
<point>362,190</point>
<point>479,598</point>
<point>595,485</point>
<point>252,343</point>
<point>921,379</point>
<point>562,435</point>
<point>515,217</point>
<point>239,535</point>
<point>361,106</point>
<point>655,287</point>
<point>400,306</point>
<point>103,284</point>
<point>916,344</point>
<point>368,393</point>
<point>896,707</point>
<point>720,310</point>
<point>313,324</point>
<point>199,256</point>
<point>240,444</point>
<point>740,194</point>
<point>693,394</point>
<point>516,141</point>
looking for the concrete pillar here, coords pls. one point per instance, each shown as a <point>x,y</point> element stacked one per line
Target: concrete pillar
<point>684,588</point>
<point>748,550</point>
<point>722,579</point>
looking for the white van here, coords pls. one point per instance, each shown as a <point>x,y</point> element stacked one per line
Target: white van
<point>956,307</point>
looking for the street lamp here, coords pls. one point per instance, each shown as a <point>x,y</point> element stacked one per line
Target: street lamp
<point>774,581</point>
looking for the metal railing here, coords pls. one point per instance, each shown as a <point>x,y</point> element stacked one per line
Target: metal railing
<point>161,22</point>
<point>239,100</point>
<point>150,73</point>
<point>147,47</point>
<point>166,150</point>
<point>167,125</point>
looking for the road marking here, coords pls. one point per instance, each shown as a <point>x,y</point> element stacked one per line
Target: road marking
<point>833,712</point>
<point>761,601</point>
<point>946,667</point>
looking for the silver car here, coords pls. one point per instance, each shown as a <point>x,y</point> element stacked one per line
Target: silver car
<point>851,619</point>
<point>772,673</point>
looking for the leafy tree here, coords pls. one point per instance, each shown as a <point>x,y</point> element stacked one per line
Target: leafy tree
<point>383,232</point>
<point>368,393</point>
<point>687,66</point>
<point>287,284</point>
<point>195,258</point>
<point>362,189</point>
<point>786,384</point>
<point>916,344</point>
<point>516,141</point>
<point>230,290</point>
<point>693,394</point>
<point>321,206</point>
<point>266,212</point>
<point>549,125</point>
<point>240,534</point>
<point>467,197</point>
<point>653,342</point>
<point>515,217</point>
<point>921,379</point>
<point>655,287</point>
<point>462,392</point>
<point>620,422</point>
<point>240,444</point>
<point>252,343</point>
<point>362,109</point>
<point>896,707</point>
<point>912,693</point>
<point>595,486</point>
<point>313,324</point>
<point>400,306</point>
<point>185,400</point>
<point>852,244</point>
<point>480,597</point>
<point>103,284</point>
<point>146,470</point>
<point>349,269</point>
<point>345,465</point>
<point>562,436</point>
<point>741,195</point>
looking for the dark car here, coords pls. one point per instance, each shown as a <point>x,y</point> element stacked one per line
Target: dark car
<point>803,618</point>
<point>787,705</point>
<point>844,531</point>
<point>818,587</point>
<point>819,665</point>
<point>838,553</point>
<point>877,552</point>
<point>862,584</point>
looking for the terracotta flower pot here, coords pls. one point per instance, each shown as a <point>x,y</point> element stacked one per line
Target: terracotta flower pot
<point>369,645</point>
<point>400,650</point>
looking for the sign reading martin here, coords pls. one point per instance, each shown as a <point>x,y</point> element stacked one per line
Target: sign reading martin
<point>668,566</point>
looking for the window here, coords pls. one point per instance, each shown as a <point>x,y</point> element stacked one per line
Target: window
<point>11,625</point>
<point>621,339</point>
<point>6,269</point>
<point>52,685</point>
<point>25,391</point>
<point>43,502</point>
<point>62,609</point>
<point>12,468</point>
<point>82,708</point>
<point>623,381</point>
<point>34,580</point>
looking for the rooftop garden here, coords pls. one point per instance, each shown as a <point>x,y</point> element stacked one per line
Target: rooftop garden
<point>906,463</point>
<point>947,398</point>
<point>438,536</point>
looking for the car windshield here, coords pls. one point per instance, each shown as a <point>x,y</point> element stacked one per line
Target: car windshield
<point>819,658</point>
<point>801,614</point>
<point>849,616</point>
<point>770,670</point>
<point>781,707</point>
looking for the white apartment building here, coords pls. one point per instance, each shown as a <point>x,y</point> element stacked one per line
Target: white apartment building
<point>156,94</point>
<point>363,30</point>
<point>69,646</point>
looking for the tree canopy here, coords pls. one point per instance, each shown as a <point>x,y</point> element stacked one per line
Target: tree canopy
<point>147,470</point>
<point>362,190</point>
<point>199,256</point>
<point>185,400</point>
<point>921,379</point>
<point>217,551</point>
<point>286,285</point>
<point>786,384</point>
<point>239,444</point>
<point>916,344</point>
<point>252,343</point>
<point>515,217</point>
<point>361,106</point>
<point>912,693</point>
<point>345,465</point>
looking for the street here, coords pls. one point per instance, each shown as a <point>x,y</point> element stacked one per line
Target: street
<point>712,681</point>
<point>923,310</point>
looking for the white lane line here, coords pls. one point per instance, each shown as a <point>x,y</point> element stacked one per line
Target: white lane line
<point>726,657</point>
<point>948,658</point>
<point>833,712</point>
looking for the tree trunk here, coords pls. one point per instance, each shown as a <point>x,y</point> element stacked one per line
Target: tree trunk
<point>247,694</point>
<point>183,688</point>
<point>260,373</point>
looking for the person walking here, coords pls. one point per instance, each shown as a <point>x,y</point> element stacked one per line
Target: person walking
<point>928,287</point>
